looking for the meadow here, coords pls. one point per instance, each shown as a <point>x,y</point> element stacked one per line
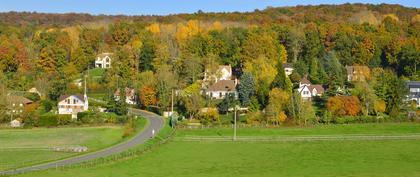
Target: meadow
<point>294,158</point>
<point>23,147</point>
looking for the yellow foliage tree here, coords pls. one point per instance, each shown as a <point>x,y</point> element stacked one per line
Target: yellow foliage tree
<point>185,31</point>
<point>283,54</point>
<point>217,25</point>
<point>379,106</point>
<point>154,28</point>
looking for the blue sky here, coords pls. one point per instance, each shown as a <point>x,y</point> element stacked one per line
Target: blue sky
<point>164,7</point>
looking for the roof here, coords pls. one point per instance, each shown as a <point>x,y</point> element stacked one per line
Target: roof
<point>102,55</point>
<point>352,69</point>
<point>305,81</point>
<point>227,67</point>
<point>79,96</point>
<point>413,84</point>
<point>319,88</point>
<point>223,85</point>
<point>287,65</point>
<point>128,92</point>
<point>19,99</point>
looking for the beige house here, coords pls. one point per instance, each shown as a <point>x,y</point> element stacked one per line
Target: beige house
<point>72,104</point>
<point>222,88</point>
<point>130,96</point>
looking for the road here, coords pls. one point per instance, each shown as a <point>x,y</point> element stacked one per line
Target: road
<point>155,122</point>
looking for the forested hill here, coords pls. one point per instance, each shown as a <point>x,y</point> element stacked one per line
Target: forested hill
<point>357,13</point>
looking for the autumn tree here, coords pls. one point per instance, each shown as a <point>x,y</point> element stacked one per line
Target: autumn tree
<point>148,96</point>
<point>277,105</point>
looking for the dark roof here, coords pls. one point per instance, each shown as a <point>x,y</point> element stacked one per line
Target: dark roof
<point>19,99</point>
<point>128,92</point>
<point>223,85</point>
<point>305,81</point>
<point>79,96</point>
<point>319,88</point>
<point>287,65</point>
<point>413,84</point>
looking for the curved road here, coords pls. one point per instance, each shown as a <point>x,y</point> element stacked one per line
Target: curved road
<point>155,122</point>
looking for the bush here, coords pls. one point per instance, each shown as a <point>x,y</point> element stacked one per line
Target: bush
<point>48,120</point>
<point>209,116</point>
<point>129,128</point>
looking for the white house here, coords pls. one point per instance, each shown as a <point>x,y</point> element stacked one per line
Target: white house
<point>307,90</point>
<point>130,96</point>
<point>220,89</point>
<point>288,68</point>
<point>72,104</point>
<point>414,91</point>
<point>103,60</point>
<point>224,72</point>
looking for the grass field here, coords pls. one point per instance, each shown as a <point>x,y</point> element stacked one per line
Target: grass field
<point>23,147</point>
<point>300,158</point>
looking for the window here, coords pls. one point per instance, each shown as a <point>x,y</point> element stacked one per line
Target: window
<point>74,101</point>
<point>220,94</point>
<point>305,92</point>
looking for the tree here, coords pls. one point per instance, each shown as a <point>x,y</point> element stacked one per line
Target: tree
<point>278,101</point>
<point>335,71</point>
<point>283,54</point>
<point>343,105</point>
<point>281,80</point>
<point>364,91</point>
<point>391,89</point>
<point>166,82</point>
<point>193,104</point>
<point>246,88</point>
<point>192,68</point>
<point>228,102</point>
<point>47,61</point>
<point>120,33</point>
<point>147,54</point>
<point>148,96</point>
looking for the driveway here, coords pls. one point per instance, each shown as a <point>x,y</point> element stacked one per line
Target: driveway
<point>155,123</point>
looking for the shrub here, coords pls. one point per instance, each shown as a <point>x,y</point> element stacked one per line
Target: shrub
<point>48,120</point>
<point>129,128</point>
<point>211,115</point>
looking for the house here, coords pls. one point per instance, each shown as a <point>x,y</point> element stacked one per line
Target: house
<point>130,95</point>
<point>414,91</point>
<point>307,90</point>
<point>103,60</point>
<point>17,104</point>
<point>357,73</point>
<point>224,72</point>
<point>220,89</point>
<point>288,68</point>
<point>72,104</point>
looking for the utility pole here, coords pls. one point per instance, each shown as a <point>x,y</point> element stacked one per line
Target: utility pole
<point>234,127</point>
<point>172,102</point>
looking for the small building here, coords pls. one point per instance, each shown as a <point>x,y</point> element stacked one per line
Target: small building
<point>34,90</point>
<point>130,96</point>
<point>103,60</point>
<point>307,90</point>
<point>414,91</point>
<point>73,104</point>
<point>288,68</point>
<point>16,123</point>
<point>17,104</point>
<point>222,88</point>
<point>357,73</point>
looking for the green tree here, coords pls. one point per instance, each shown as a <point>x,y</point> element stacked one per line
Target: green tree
<point>228,102</point>
<point>246,88</point>
<point>281,80</point>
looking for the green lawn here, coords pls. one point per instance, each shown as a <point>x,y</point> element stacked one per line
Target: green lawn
<point>300,158</point>
<point>24,147</point>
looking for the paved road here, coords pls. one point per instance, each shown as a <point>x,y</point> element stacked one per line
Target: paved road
<point>155,122</point>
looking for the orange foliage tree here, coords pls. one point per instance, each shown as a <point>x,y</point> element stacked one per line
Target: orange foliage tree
<point>148,96</point>
<point>344,105</point>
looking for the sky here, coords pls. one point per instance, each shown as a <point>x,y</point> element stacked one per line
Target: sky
<point>165,7</point>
